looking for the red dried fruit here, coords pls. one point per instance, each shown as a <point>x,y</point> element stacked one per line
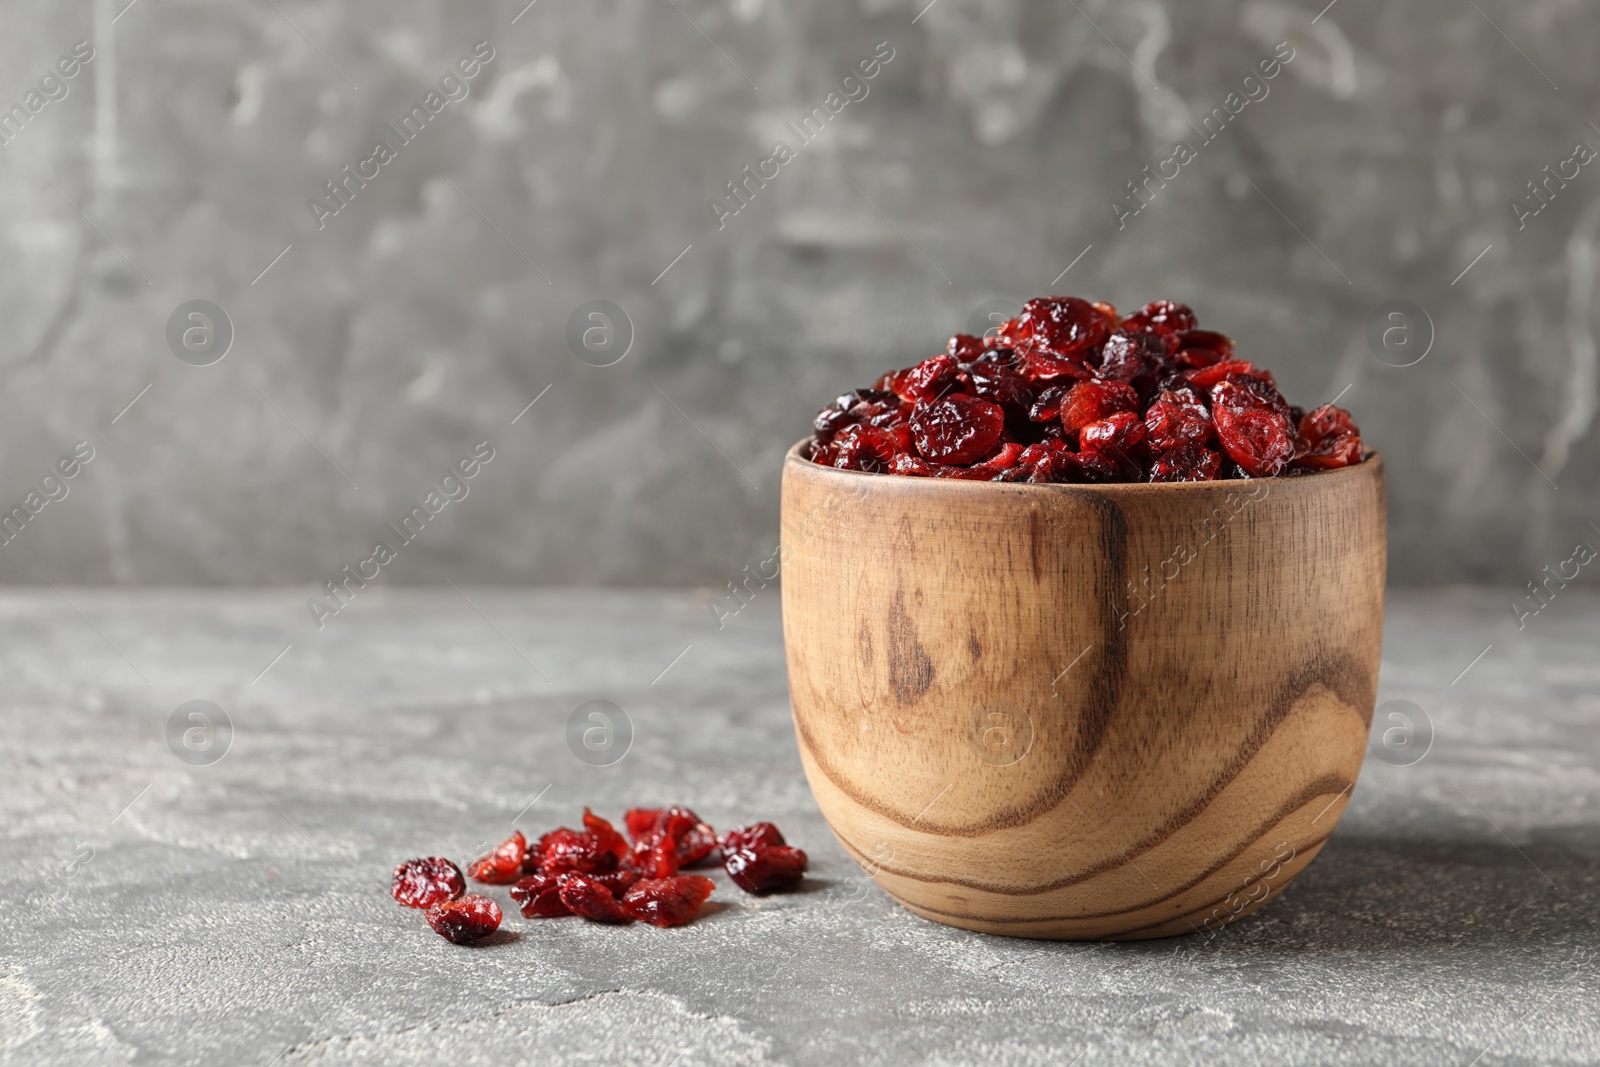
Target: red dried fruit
<point>756,835</point>
<point>1206,377</point>
<point>598,850</point>
<point>1109,313</point>
<point>1118,435</point>
<point>1062,326</point>
<point>502,866</point>
<point>694,837</point>
<point>1338,450</point>
<point>1161,316</point>
<point>1176,418</point>
<point>1202,348</point>
<point>668,901</point>
<point>1092,401</point>
<point>928,380</point>
<point>424,882</point>
<point>539,896</point>
<point>957,429</point>
<point>862,448</point>
<point>591,899</point>
<point>605,835</point>
<point>964,348</point>
<point>1186,463</point>
<point>1326,421</point>
<point>1110,397</point>
<point>467,919</point>
<point>1128,356</point>
<point>763,870</point>
<point>1255,435</point>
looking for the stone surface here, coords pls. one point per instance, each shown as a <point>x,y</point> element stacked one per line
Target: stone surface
<point>985,158</point>
<point>237,912</point>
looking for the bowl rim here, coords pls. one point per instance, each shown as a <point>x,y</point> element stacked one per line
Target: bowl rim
<point>1372,465</point>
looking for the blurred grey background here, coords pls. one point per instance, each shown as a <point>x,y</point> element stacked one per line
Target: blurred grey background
<point>371,354</point>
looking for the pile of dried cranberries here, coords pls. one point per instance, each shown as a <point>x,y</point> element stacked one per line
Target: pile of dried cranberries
<point>598,874</point>
<point>1069,391</point>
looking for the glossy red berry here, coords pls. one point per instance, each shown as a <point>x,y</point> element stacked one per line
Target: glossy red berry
<point>1092,401</point>
<point>957,429</point>
<point>539,896</point>
<point>466,919</point>
<point>764,870</point>
<point>424,882</point>
<point>668,901</point>
<point>1161,316</point>
<point>1255,435</point>
<point>591,899</point>
<point>1186,463</point>
<point>502,866</point>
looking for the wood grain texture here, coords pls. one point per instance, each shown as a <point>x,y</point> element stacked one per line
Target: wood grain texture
<point>1082,712</point>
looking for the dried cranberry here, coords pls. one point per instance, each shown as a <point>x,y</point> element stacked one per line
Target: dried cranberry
<point>1255,435</point>
<point>1109,313</point>
<point>1176,418</point>
<point>1206,377</point>
<point>958,429</point>
<point>502,866</point>
<point>467,919</point>
<point>694,839</point>
<point>1047,408</point>
<point>928,380</point>
<point>964,348</point>
<point>1128,356</point>
<point>1091,401</point>
<point>1202,348</point>
<point>424,882</point>
<point>1186,463</point>
<point>668,901</point>
<point>1161,316</point>
<point>1063,326</point>
<point>756,835</point>
<point>597,850</point>
<point>1326,421</point>
<point>1333,451</point>
<point>1117,435</point>
<point>538,896</point>
<point>591,899</point>
<point>764,869</point>
<point>862,448</point>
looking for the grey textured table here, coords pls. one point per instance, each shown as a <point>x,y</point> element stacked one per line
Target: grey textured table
<point>237,912</point>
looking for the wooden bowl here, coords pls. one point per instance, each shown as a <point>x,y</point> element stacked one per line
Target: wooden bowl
<point>1082,712</point>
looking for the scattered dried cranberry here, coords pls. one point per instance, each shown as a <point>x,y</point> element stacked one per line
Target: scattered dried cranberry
<point>693,839</point>
<point>763,870</point>
<point>591,899</point>
<point>538,896</point>
<point>467,919</point>
<point>758,859</point>
<point>598,849</point>
<point>957,429</point>
<point>504,865</point>
<point>756,835</point>
<point>668,901</point>
<point>422,883</point>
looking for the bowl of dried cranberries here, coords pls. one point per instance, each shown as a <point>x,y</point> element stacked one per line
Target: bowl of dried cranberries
<point>1123,689</point>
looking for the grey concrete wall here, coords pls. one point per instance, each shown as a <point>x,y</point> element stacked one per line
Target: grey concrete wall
<point>986,156</point>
